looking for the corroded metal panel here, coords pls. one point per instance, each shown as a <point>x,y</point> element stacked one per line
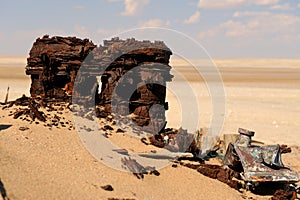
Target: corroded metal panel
<point>257,163</point>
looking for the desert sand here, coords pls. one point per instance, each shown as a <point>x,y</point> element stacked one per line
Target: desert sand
<point>38,163</point>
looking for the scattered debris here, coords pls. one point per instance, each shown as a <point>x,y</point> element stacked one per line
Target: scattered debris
<point>225,175</point>
<point>285,149</point>
<point>144,141</point>
<point>251,167</point>
<point>155,172</point>
<point>120,131</point>
<point>120,199</point>
<point>48,113</point>
<point>133,166</point>
<point>22,128</point>
<point>36,113</point>
<point>31,111</point>
<point>20,112</point>
<point>156,140</point>
<point>107,187</point>
<point>174,166</point>
<point>6,97</point>
<point>173,140</point>
<point>108,127</point>
<point>137,169</point>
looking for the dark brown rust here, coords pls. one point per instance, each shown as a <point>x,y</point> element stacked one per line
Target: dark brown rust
<point>246,132</point>
<point>134,167</point>
<point>54,63</point>
<point>36,113</point>
<point>284,195</point>
<point>107,188</point>
<point>137,169</point>
<point>225,175</point>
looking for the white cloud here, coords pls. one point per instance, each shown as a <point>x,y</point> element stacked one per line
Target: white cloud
<point>219,4</point>
<point>250,14</point>
<point>299,5</point>
<point>257,26</point>
<point>193,19</point>
<point>264,2</point>
<point>285,6</point>
<point>267,24</point>
<point>154,23</point>
<point>81,30</point>
<point>134,7</point>
<point>227,4</point>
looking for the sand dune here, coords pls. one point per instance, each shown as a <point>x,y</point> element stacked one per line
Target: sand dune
<point>261,95</point>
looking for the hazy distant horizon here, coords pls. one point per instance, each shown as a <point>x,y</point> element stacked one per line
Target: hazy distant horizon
<point>21,61</point>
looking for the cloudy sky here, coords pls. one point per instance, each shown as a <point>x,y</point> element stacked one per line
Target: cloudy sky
<point>226,28</point>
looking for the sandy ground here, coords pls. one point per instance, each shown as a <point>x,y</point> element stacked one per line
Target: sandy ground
<point>53,164</point>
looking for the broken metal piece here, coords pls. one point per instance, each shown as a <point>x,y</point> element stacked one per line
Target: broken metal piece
<point>137,169</point>
<point>257,163</point>
<point>282,194</point>
<point>246,132</point>
<point>223,174</point>
<point>107,188</point>
<point>133,166</point>
<point>244,138</point>
<point>37,113</point>
<point>6,97</point>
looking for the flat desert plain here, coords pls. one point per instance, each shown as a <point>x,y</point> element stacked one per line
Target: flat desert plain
<point>261,95</point>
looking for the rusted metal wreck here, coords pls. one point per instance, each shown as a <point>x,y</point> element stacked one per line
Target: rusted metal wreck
<point>54,65</point>
<point>257,164</point>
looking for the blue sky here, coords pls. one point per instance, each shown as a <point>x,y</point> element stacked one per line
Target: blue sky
<point>226,28</point>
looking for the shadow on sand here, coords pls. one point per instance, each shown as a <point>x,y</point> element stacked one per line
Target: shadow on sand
<point>3,191</point>
<point>4,126</point>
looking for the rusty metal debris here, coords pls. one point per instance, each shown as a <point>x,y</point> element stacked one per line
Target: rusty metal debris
<point>225,175</point>
<point>6,97</point>
<point>174,140</point>
<point>137,169</point>
<point>32,109</point>
<point>107,188</point>
<point>252,167</point>
<point>282,194</point>
<point>258,164</point>
<point>37,111</point>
